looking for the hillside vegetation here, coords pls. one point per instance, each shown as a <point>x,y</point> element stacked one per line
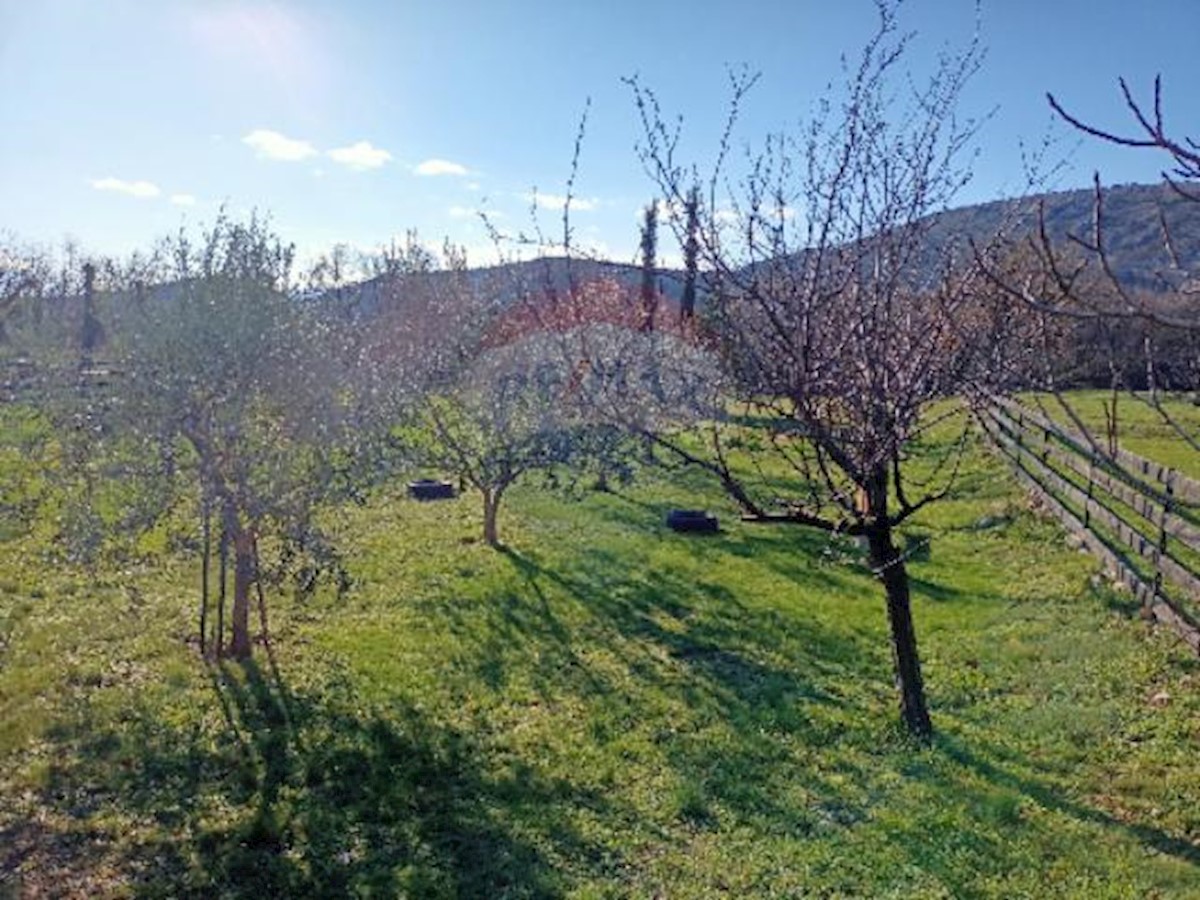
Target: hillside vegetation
<point>1133,227</point>
<point>1133,235</point>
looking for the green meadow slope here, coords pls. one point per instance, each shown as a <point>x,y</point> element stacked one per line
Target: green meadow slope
<point>605,709</point>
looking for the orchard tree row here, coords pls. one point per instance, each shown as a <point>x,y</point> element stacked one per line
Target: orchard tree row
<point>821,320</point>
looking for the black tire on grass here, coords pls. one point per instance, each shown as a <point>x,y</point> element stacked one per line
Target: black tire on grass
<point>430,489</point>
<point>692,521</point>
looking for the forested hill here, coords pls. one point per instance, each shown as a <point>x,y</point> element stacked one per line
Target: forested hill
<point>1134,215</point>
<point>1133,234</point>
<point>1132,226</point>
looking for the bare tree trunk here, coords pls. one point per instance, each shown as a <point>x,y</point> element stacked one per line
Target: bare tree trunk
<point>262,600</point>
<point>1111,426</point>
<point>205,559</point>
<point>243,580</point>
<point>888,564</point>
<point>222,589</point>
<point>491,511</point>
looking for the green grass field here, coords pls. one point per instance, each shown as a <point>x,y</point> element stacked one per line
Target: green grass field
<point>1141,428</point>
<point>604,709</point>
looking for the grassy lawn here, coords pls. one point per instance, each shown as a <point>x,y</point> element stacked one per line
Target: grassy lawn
<point>604,709</point>
<point>1141,429</point>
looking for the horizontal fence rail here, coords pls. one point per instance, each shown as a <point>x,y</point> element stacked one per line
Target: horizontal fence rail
<point>1136,515</point>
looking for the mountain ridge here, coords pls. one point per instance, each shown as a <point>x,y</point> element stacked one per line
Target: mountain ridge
<point>1133,233</point>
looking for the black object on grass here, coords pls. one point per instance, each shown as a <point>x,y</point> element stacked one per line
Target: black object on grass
<point>430,489</point>
<point>692,521</point>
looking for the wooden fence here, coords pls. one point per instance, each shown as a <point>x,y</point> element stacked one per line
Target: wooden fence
<point>1141,518</point>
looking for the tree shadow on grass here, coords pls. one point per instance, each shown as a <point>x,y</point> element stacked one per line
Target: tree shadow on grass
<point>319,798</point>
<point>814,555</point>
<point>634,614</point>
<point>1016,773</point>
<point>772,677</point>
<point>941,593</point>
<point>680,644</point>
<point>996,787</point>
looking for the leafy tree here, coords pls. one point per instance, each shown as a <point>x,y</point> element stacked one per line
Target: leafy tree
<point>240,387</point>
<point>501,420</point>
<point>506,401</point>
<point>649,248</point>
<point>691,254</point>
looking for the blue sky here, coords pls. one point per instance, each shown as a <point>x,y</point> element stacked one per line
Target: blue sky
<point>355,121</point>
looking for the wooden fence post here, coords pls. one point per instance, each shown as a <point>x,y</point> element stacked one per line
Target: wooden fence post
<point>1087,506</point>
<point>1123,478</point>
<point>1168,497</point>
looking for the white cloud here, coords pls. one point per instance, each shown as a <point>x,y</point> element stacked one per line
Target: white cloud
<point>441,167</point>
<point>273,145</point>
<point>361,155</point>
<point>183,199</point>
<point>558,201</point>
<point>142,189</point>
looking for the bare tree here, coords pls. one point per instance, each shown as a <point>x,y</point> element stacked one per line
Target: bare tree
<point>24,276</point>
<point>837,316</point>
<point>1183,151</point>
<point>1148,337</point>
<point>334,275</point>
